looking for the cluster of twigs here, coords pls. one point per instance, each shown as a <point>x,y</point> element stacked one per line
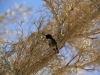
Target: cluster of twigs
<point>75,24</point>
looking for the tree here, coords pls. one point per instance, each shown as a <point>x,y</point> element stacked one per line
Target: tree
<point>74,24</point>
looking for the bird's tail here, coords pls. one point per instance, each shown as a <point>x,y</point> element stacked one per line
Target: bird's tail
<point>56,49</point>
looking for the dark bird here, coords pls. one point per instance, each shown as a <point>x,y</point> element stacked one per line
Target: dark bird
<point>52,42</point>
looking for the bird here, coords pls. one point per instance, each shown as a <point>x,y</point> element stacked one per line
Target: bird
<point>52,42</point>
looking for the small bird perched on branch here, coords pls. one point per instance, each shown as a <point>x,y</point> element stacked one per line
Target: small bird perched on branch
<point>52,42</point>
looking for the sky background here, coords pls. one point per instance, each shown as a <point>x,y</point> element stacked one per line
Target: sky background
<point>35,4</point>
<point>5,4</point>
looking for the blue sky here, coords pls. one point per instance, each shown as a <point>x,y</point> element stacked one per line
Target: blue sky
<point>5,4</point>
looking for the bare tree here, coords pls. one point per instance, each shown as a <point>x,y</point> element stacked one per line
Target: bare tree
<point>75,25</point>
